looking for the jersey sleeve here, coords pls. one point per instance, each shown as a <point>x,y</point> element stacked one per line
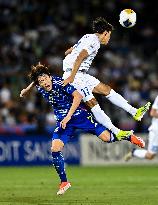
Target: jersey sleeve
<point>90,48</point>
<point>90,44</point>
<point>69,89</point>
<point>155,104</point>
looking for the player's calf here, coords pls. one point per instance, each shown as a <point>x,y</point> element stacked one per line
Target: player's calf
<point>58,162</point>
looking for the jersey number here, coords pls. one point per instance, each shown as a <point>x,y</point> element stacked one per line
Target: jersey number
<point>85,91</point>
<point>90,117</point>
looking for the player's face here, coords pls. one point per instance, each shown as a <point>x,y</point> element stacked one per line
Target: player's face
<point>106,37</point>
<point>45,81</point>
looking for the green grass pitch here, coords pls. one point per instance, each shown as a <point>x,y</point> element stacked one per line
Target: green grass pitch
<point>111,185</point>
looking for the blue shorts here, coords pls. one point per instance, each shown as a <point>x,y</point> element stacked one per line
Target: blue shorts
<point>84,121</point>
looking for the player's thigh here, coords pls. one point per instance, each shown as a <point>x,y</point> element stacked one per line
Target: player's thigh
<point>102,88</point>
<point>105,136</point>
<point>80,83</point>
<point>61,136</point>
<point>88,123</point>
<point>84,83</point>
<point>91,81</point>
<point>57,145</point>
<point>153,142</point>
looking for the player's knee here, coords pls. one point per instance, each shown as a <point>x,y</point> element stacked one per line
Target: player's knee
<point>106,90</point>
<point>57,145</point>
<point>105,136</point>
<point>91,103</point>
<point>56,148</point>
<point>102,89</point>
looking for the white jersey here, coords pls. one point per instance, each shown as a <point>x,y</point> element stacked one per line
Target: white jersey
<point>154,124</point>
<point>91,44</point>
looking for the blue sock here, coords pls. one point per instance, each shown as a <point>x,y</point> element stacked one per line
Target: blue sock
<point>112,138</point>
<point>58,162</point>
<point>128,138</point>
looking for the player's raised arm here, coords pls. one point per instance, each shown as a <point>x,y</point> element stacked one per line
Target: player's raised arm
<point>27,90</point>
<point>83,54</point>
<point>77,97</point>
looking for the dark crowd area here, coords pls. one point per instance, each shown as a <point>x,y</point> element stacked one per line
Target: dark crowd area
<point>33,31</point>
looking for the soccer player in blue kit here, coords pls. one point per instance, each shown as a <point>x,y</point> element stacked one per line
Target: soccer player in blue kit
<point>70,114</point>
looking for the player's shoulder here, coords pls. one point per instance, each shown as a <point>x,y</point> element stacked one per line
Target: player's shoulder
<point>57,80</point>
<point>92,39</point>
<point>89,36</point>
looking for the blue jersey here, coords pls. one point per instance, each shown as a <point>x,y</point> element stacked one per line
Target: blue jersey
<point>60,98</point>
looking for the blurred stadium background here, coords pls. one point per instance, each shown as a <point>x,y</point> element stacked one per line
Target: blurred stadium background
<point>33,31</point>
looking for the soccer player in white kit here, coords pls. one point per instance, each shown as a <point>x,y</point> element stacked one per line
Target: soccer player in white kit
<point>152,150</point>
<point>76,64</point>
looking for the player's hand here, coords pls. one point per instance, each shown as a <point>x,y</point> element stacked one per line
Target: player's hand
<point>65,121</point>
<point>70,79</point>
<point>23,93</point>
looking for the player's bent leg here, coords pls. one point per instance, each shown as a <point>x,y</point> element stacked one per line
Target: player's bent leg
<point>58,162</point>
<point>114,97</point>
<point>103,119</point>
<point>105,136</point>
<point>109,137</point>
<point>100,116</point>
<point>139,153</point>
<point>118,100</point>
<point>57,145</point>
<point>102,89</point>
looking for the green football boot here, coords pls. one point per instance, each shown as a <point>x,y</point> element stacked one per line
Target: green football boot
<point>141,111</point>
<point>123,134</point>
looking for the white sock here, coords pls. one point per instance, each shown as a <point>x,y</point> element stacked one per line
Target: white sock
<point>103,119</point>
<point>140,153</point>
<point>118,100</point>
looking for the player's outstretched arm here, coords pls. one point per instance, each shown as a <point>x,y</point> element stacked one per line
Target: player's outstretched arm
<point>68,51</point>
<point>83,54</point>
<point>27,90</point>
<point>77,97</point>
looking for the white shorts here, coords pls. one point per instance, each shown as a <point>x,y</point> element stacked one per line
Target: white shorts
<point>153,142</point>
<point>84,83</point>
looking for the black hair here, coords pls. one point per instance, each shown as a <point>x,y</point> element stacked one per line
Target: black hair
<point>38,70</point>
<point>100,25</point>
